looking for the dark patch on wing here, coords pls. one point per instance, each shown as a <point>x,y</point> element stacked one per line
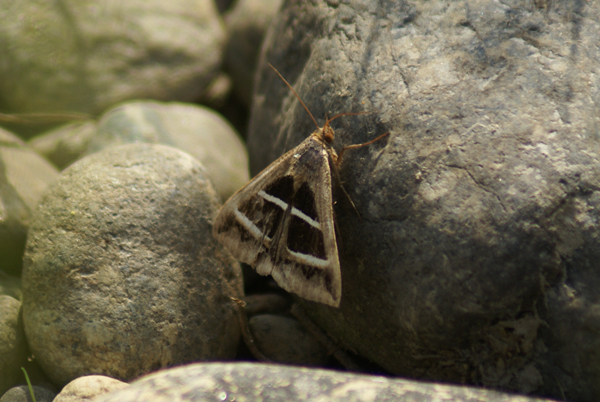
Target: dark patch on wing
<point>305,239</point>
<point>264,214</point>
<point>302,237</point>
<point>308,271</point>
<point>304,200</point>
<point>282,188</point>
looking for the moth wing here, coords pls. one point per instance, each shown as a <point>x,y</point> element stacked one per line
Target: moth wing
<point>304,258</point>
<point>282,224</point>
<point>243,223</point>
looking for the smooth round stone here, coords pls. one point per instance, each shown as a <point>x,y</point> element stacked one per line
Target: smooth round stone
<point>285,340</point>
<point>267,303</point>
<point>24,176</point>
<point>85,56</point>
<point>121,274</point>
<point>197,130</point>
<point>13,345</point>
<point>87,387</point>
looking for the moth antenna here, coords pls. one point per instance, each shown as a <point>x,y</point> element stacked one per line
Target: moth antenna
<point>297,96</point>
<point>346,114</point>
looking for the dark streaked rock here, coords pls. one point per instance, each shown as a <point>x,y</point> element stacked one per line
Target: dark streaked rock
<point>475,257</point>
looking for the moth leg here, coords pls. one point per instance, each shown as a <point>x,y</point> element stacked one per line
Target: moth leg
<point>240,307</point>
<point>336,176</point>
<point>338,161</point>
<point>332,348</point>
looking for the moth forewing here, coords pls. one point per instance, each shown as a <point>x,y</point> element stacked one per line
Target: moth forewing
<point>282,224</point>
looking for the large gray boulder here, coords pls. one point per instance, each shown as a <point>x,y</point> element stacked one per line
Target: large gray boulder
<point>476,258</point>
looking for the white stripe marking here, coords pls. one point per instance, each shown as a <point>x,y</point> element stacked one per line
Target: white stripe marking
<point>295,211</point>
<point>309,259</point>
<point>248,224</point>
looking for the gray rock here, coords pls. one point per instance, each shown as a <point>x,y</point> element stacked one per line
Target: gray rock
<point>267,303</point>
<point>284,340</point>
<point>22,394</point>
<point>121,274</point>
<point>13,345</point>
<point>262,382</point>
<point>86,388</point>
<point>197,130</point>
<point>24,176</point>
<point>246,23</point>
<point>65,144</point>
<point>141,49</point>
<point>476,256</point>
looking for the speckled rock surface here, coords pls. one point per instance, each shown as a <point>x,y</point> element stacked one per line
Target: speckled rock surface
<point>121,274</point>
<point>87,387</point>
<point>476,256</point>
<point>261,382</point>
<point>24,176</point>
<point>197,130</point>
<point>141,49</point>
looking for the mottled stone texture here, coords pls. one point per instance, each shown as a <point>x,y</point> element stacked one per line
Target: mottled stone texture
<point>121,274</point>
<point>476,258</point>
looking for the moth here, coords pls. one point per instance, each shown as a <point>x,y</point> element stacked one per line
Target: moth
<point>282,221</point>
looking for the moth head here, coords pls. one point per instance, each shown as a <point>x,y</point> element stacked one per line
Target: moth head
<point>327,133</point>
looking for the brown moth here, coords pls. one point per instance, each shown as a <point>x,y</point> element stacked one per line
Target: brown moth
<point>282,221</point>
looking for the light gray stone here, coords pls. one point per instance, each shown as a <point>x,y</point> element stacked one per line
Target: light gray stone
<point>475,257</point>
<point>22,394</point>
<point>197,130</point>
<point>24,176</point>
<point>262,382</point>
<point>88,387</point>
<point>85,56</point>
<point>121,273</point>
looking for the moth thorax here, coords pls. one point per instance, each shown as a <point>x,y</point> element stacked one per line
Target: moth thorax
<point>328,134</point>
